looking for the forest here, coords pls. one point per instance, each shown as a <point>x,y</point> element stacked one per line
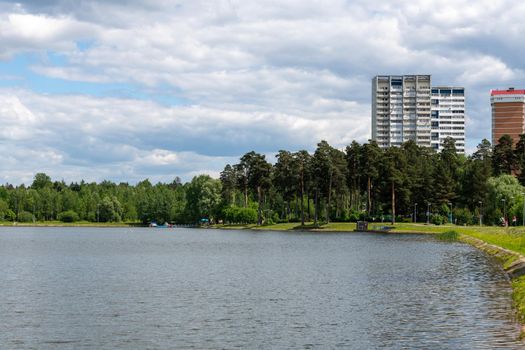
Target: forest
<point>361,182</point>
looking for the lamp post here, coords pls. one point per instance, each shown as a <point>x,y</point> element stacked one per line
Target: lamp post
<point>415,212</point>
<point>428,213</point>
<point>480,213</point>
<point>451,216</point>
<point>504,211</point>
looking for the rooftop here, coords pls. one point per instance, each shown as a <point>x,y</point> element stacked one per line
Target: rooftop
<point>509,91</point>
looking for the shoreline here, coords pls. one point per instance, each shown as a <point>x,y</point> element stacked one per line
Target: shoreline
<point>69,224</point>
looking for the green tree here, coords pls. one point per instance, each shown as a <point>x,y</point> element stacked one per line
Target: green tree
<point>395,170</point>
<point>4,207</point>
<point>478,169</point>
<point>446,173</point>
<point>353,159</point>
<point>504,192</point>
<point>41,180</point>
<point>303,160</point>
<point>503,157</point>
<point>285,177</point>
<point>229,180</point>
<point>257,172</point>
<point>321,169</point>
<point>370,162</point>
<point>519,158</point>
<point>204,198</point>
<point>110,209</point>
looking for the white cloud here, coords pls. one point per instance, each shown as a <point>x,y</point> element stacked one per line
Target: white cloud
<point>92,137</point>
<point>260,75</point>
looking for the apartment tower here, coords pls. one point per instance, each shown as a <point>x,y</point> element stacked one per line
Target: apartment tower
<point>448,116</point>
<point>401,109</point>
<point>508,113</point>
<point>406,107</point>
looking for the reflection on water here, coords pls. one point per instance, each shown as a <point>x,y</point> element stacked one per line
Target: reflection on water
<point>72,288</point>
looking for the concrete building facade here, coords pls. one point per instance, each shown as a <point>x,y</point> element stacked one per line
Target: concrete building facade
<point>508,113</point>
<point>401,109</point>
<point>448,116</point>
<point>406,107</point>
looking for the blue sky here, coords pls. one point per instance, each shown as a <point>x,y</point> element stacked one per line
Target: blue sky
<point>156,89</point>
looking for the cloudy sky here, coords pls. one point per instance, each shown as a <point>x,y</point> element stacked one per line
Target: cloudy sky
<point>159,88</point>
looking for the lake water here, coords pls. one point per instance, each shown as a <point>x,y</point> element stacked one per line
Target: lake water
<point>118,288</point>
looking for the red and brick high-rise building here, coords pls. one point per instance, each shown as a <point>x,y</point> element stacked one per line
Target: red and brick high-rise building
<point>508,113</point>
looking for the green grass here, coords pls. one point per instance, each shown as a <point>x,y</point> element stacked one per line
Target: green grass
<point>512,238</point>
<point>449,235</point>
<point>518,286</point>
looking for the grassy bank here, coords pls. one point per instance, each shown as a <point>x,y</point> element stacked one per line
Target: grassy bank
<point>512,238</point>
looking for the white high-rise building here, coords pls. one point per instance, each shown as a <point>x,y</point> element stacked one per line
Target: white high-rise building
<point>448,116</point>
<point>405,107</point>
<point>401,109</point>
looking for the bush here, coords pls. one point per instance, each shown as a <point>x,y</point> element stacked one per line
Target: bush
<point>25,216</point>
<point>8,215</point>
<point>68,216</point>
<point>463,216</point>
<point>353,217</point>
<point>274,218</point>
<point>437,219</point>
<point>236,215</point>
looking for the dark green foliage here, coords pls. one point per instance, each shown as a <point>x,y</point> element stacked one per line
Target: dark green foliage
<point>68,216</point>
<point>463,216</point>
<point>238,215</point>
<point>519,158</point>
<point>25,216</point>
<point>9,215</point>
<point>394,176</point>
<point>503,157</point>
<point>203,196</point>
<point>255,175</point>
<point>371,159</point>
<point>4,207</point>
<point>41,180</point>
<point>364,182</point>
<point>438,219</point>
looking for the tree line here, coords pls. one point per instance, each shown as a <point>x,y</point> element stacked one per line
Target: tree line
<point>361,182</point>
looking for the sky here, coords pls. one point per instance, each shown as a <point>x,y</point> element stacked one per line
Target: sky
<point>124,91</point>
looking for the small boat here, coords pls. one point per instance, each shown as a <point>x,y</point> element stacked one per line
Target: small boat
<point>165,225</point>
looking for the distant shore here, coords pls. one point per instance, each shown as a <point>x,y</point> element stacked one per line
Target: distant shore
<point>69,224</point>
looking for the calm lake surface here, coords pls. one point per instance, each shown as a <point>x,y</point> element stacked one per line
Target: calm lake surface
<point>119,288</point>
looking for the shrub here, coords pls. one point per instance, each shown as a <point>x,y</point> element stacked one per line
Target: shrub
<point>463,216</point>
<point>353,217</point>
<point>236,215</point>
<point>25,216</point>
<point>437,219</point>
<point>68,216</point>
<point>8,215</point>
